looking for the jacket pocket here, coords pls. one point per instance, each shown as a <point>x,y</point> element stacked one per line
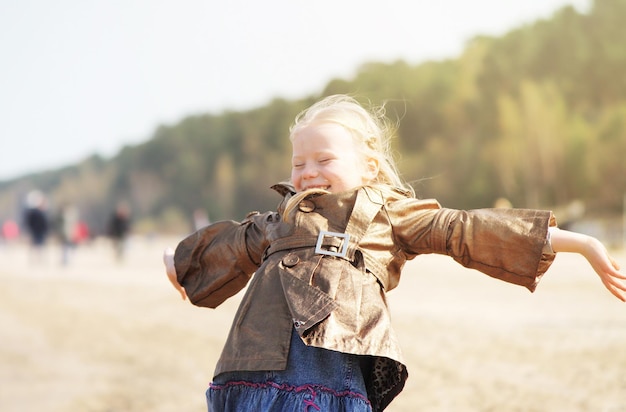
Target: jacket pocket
<point>307,303</point>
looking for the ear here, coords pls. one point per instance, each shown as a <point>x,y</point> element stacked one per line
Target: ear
<point>371,170</point>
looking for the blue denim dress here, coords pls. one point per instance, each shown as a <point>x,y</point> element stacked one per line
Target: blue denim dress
<point>315,380</point>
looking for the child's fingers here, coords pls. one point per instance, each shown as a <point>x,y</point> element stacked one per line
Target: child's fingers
<point>619,294</point>
<point>168,255</point>
<point>614,291</point>
<point>170,270</point>
<point>619,275</point>
<point>616,266</point>
<point>614,285</point>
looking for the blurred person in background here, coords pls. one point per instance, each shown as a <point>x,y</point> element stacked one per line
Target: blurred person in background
<point>118,229</point>
<point>10,231</point>
<point>36,223</point>
<point>66,225</point>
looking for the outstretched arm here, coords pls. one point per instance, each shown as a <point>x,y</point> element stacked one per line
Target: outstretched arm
<point>597,255</point>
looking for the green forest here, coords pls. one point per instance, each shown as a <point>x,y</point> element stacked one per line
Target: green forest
<point>536,116</point>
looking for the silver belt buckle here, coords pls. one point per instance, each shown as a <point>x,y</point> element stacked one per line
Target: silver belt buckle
<point>344,247</point>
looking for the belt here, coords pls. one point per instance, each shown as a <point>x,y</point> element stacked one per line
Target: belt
<point>325,243</point>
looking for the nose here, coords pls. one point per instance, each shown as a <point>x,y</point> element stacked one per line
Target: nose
<point>310,171</point>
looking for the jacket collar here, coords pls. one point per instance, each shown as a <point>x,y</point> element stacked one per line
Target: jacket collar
<point>284,189</point>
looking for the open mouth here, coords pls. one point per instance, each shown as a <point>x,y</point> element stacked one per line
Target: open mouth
<point>322,187</point>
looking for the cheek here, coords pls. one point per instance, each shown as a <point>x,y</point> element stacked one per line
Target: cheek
<point>295,179</point>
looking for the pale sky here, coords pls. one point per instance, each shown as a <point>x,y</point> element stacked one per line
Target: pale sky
<point>79,77</point>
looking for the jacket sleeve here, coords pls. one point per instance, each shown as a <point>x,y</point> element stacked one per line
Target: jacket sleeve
<point>507,244</point>
<point>217,261</point>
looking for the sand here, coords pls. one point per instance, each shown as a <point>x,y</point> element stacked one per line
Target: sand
<point>99,335</point>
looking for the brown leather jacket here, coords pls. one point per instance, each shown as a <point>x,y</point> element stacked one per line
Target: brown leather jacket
<point>331,287</point>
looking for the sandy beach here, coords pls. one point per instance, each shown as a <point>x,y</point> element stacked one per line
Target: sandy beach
<point>99,335</point>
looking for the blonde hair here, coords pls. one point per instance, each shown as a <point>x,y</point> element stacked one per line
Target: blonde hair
<point>371,131</point>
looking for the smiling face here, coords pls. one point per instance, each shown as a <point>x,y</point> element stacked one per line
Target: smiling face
<point>325,156</point>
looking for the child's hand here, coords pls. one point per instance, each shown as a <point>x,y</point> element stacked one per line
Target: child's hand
<point>607,268</point>
<point>170,269</point>
<point>597,255</point>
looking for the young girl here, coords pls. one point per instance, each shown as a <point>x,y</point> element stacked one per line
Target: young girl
<point>313,331</point>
